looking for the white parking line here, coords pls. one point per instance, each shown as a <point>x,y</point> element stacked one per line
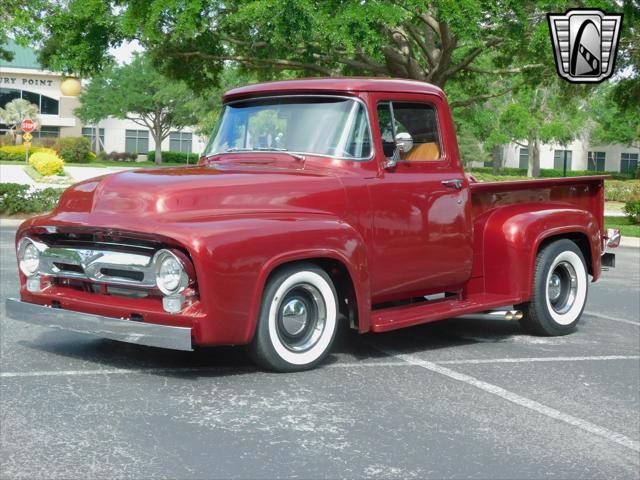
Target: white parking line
<point>512,397</point>
<point>615,319</point>
<point>537,359</point>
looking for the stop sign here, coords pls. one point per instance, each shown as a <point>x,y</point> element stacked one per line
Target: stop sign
<point>28,125</point>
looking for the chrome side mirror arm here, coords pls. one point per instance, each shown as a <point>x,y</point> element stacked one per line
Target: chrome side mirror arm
<point>393,161</point>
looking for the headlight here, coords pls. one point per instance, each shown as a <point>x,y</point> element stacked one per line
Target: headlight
<point>171,276</point>
<point>28,257</point>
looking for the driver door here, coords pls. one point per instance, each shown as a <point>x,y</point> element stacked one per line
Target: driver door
<point>421,209</point>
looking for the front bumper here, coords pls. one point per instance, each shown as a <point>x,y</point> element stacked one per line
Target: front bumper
<point>141,333</point>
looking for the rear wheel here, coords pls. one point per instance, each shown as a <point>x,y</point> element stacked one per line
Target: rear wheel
<point>298,319</point>
<point>559,294</point>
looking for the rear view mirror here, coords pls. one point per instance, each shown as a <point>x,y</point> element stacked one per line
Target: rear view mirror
<point>404,142</point>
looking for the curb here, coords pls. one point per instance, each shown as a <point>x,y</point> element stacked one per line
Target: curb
<point>11,222</point>
<point>630,242</point>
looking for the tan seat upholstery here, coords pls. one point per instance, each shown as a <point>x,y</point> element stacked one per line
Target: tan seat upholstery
<point>422,152</point>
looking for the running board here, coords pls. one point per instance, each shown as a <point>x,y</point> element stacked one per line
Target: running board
<point>386,319</point>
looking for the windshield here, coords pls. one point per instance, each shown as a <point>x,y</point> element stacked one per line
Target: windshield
<point>336,127</point>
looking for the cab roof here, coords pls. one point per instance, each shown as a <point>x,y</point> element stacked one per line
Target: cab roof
<point>334,85</point>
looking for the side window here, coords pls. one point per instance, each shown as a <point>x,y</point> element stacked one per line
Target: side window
<point>386,128</point>
<point>420,120</point>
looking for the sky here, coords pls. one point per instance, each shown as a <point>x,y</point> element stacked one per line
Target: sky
<point>125,51</point>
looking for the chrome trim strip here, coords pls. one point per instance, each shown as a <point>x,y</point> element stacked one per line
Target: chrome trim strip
<point>140,333</point>
<point>302,95</point>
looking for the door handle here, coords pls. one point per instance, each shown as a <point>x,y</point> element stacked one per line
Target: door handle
<point>453,183</point>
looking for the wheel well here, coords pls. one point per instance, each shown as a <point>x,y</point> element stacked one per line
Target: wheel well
<point>580,239</point>
<point>342,281</point>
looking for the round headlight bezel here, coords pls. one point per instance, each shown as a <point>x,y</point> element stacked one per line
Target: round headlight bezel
<point>25,244</point>
<point>167,255</point>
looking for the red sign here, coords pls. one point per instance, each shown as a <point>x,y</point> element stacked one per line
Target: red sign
<point>28,125</point>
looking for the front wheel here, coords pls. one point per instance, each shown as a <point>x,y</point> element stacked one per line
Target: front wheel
<point>559,295</point>
<point>298,319</point>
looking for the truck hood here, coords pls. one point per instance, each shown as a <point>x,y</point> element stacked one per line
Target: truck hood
<point>202,191</point>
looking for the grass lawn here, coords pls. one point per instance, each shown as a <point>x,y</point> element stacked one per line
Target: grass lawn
<point>627,229</point>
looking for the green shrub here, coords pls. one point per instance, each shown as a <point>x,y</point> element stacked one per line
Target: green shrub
<point>10,156</point>
<point>632,210</point>
<point>117,156</point>
<point>74,149</point>
<point>549,173</point>
<point>507,171</point>
<point>47,142</point>
<point>16,153</point>
<point>17,198</point>
<point>47,164</point>
<point>175,157</point>
<point>622,191</point>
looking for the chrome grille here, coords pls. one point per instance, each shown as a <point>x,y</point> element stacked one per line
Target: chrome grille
<point>102,266</point>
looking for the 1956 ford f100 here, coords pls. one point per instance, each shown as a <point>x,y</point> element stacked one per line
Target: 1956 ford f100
<point>316,201</point>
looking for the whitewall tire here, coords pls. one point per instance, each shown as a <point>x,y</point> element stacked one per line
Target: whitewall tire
<point>298,319</point>
<point>560,287</point>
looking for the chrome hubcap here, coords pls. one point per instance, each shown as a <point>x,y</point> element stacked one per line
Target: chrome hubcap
<point>554,287</point>
<point>301,319</point>
<point>562,287</point>
<point>294,316</point>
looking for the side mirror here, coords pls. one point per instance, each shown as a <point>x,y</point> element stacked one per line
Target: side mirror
<point>404,143</point>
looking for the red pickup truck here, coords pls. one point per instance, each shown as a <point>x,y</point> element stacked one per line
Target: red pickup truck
<point>315,202</point>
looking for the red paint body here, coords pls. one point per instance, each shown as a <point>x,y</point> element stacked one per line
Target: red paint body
<point>399,233</point>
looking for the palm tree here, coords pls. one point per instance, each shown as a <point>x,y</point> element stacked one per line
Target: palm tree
<point>15,111</point>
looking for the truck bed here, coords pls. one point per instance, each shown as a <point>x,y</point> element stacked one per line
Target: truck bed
<point>584,193</point>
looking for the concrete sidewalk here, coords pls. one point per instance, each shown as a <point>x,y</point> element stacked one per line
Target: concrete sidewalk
<point>16,174</point>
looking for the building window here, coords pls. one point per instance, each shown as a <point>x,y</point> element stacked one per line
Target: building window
<point>47,132</point>
<point>558,159</point>
<point>628,162</point>
<point>90,134</point>
<point>136,141</point>
<point>8,94</point>
<point>523,161</point>
<point>595,161</point>
<point>180,142</point>
<point>46,105</point>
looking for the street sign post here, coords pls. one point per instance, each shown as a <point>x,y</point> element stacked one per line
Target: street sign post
<point>27,125</point>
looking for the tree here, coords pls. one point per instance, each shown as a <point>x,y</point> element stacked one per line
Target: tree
<point>542,114</point>
<point>627,90</point>
<point>612,123</point>
<point>17,110</point>
<point>22,21</point>
<point>139,93</point>
<point>194,40</point>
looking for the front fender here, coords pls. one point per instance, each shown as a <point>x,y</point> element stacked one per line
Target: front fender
<point>512,237</point>
<point>235,261</point>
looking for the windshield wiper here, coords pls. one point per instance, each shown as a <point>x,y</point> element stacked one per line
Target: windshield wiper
<point>265,149</point>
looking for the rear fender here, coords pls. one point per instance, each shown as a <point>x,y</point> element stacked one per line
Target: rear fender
<point>512,237</point>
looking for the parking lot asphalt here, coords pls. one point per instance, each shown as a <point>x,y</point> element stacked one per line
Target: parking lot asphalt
<point>454,399</point>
